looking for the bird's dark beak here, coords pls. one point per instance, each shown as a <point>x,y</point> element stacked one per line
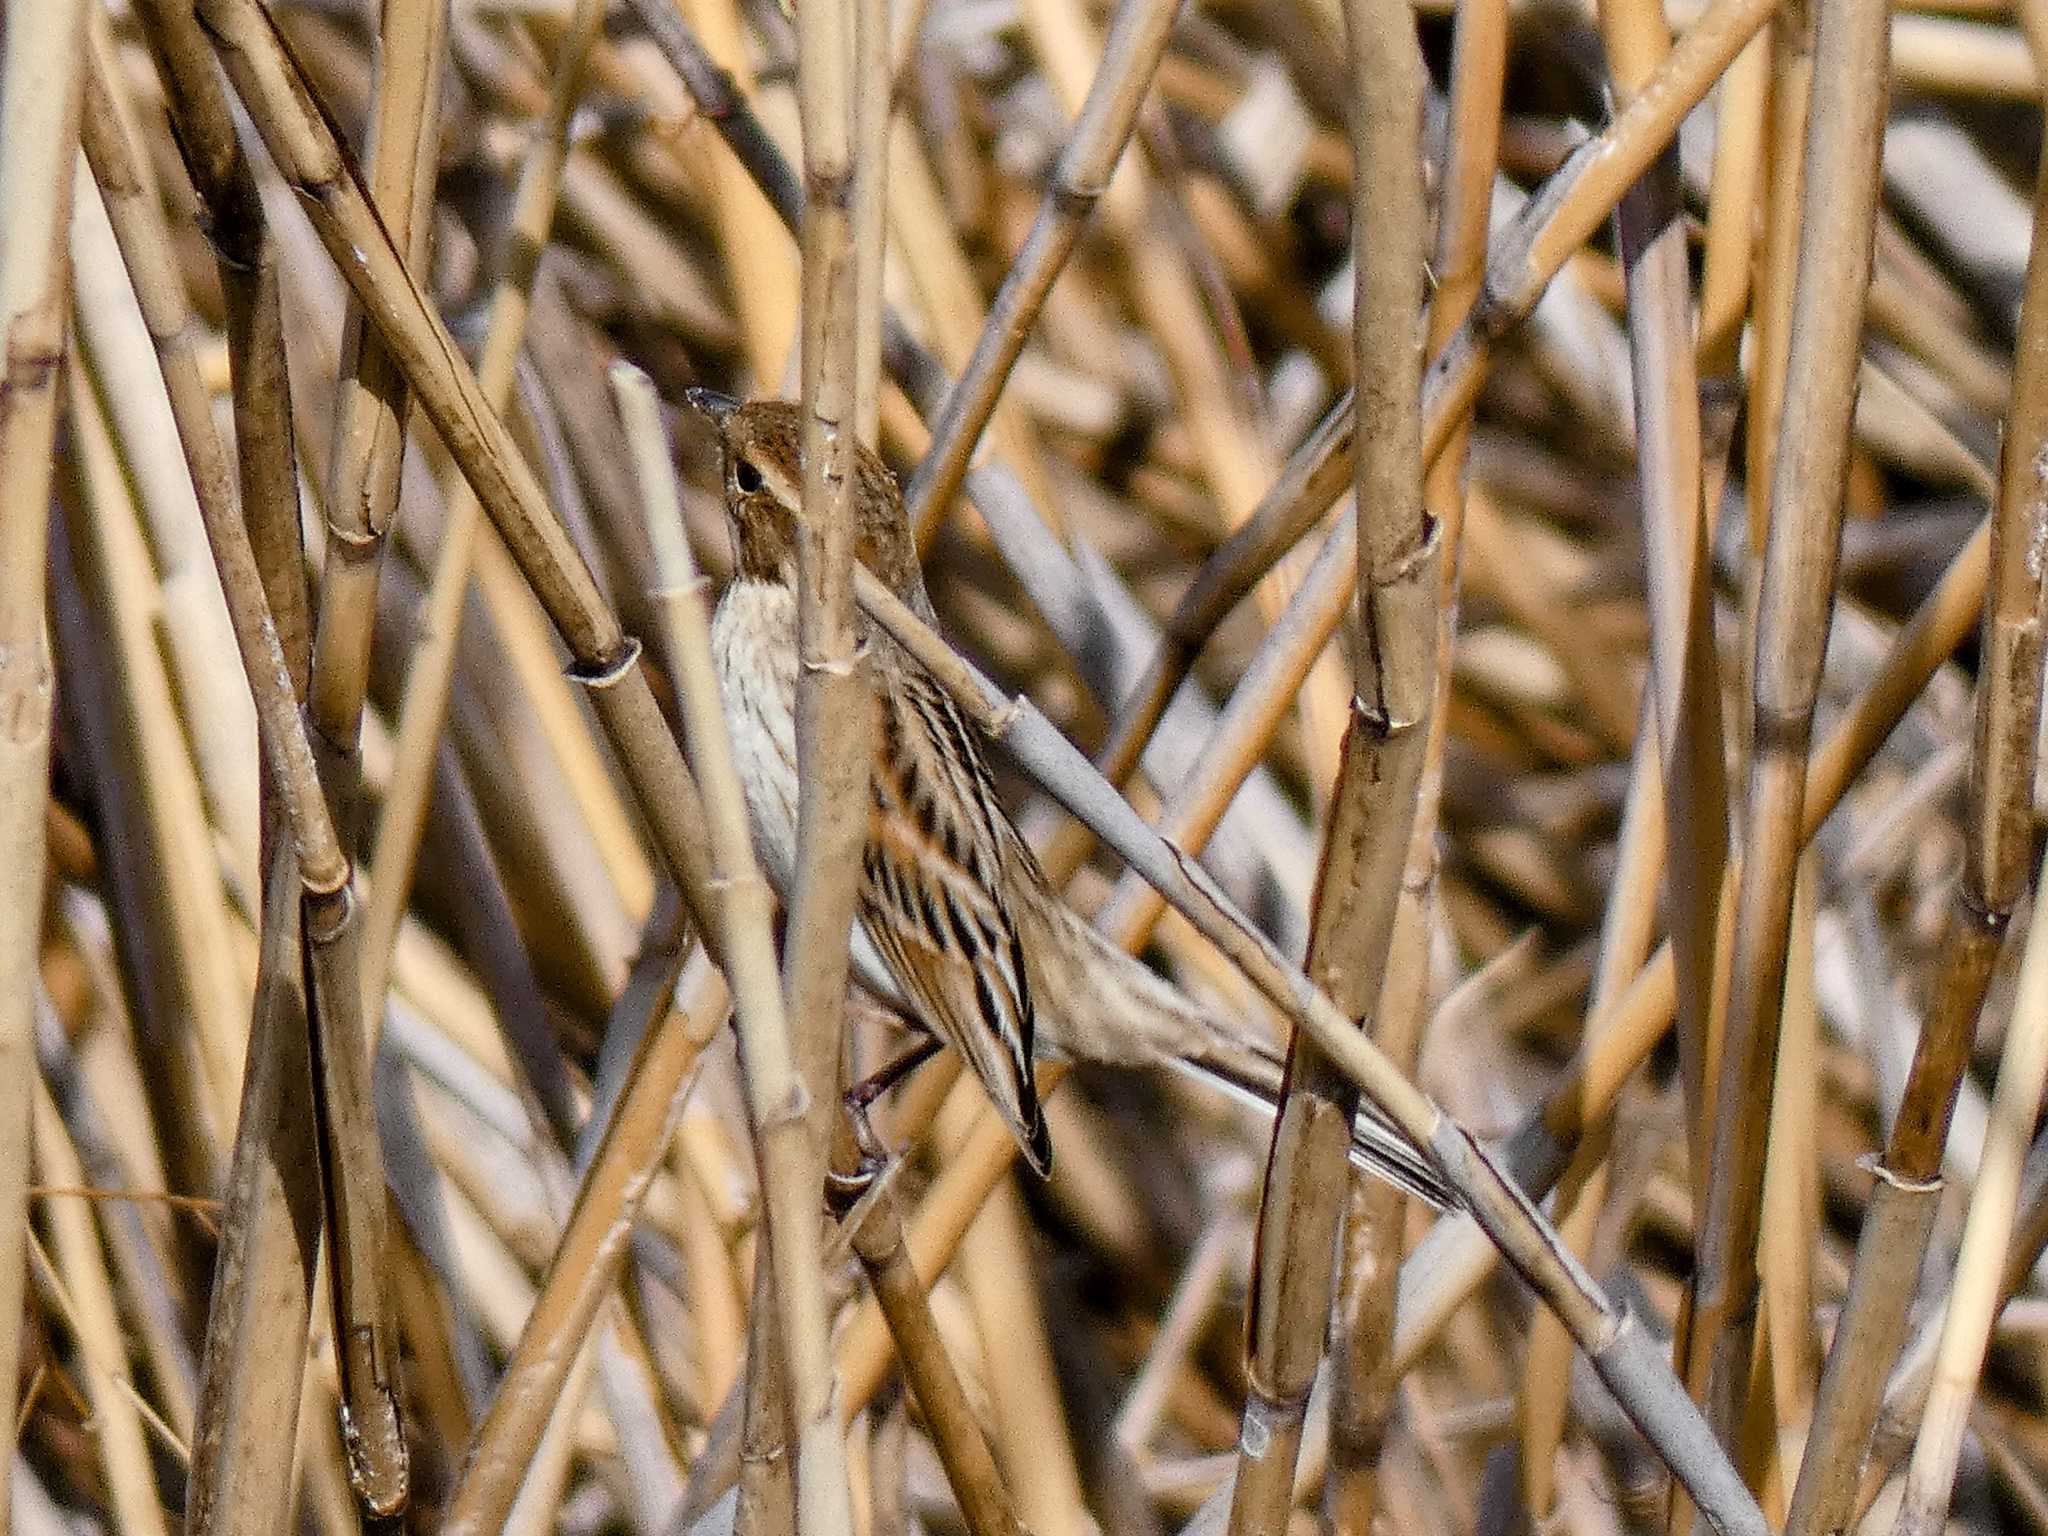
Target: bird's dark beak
<point>714,405</point>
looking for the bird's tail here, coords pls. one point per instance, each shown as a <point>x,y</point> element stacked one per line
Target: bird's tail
<point>1100,1004</point>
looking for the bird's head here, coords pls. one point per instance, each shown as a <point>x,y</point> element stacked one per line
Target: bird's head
<point>760,445</point>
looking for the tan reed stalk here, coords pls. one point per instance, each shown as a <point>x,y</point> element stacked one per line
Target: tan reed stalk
<point>1363,1381</point>
<point>1371,816</point>
<point>1619,1350</point>
<point>788,1162</point>
<point>1130,54</point>
<point>1522,258</point>
<point>1987,1234</point>
<point>766,1501</point>
<point>767,278</point>
<point>925,239</point>
<point>424,709</point>
<point>1790,87</point>
<point>1448,1264</point>
<point>873,78</point>
<point>1732,197</point>
<point>198,637</point>
<point>1844,135</point>
<point>39,104</point>
<point>840,292</point>
<point>1906,1392</point>
<point>370,408</point>
<point>78,1269</point>
<point>1902,1203</point>
<point>192,1043</point>
<point>351,1156</point>
<point>841,284</point>
<point>1627,932</point>
<point>148,1293</point>
<point>1789,1345</point>
<point>1684,668</point>
<point>1033,1442</point>
<point>594,1238</point>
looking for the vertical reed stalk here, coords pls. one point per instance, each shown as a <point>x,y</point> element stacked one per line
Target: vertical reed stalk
<point>1904,1199</point>
<point>1685,675</point>
<point>775,1089</point>
<point>1400,585</point>
<point>1987,1234</point>
<point>1363,1377</point>
<point>370,408</point>
<point>39,101</point>
<point>1844,135</point>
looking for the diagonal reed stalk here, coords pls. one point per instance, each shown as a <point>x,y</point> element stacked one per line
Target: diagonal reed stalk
<point>1130,55</point>
<point>402,821</point>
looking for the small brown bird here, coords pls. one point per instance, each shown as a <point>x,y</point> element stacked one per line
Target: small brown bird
<point>957,925</point>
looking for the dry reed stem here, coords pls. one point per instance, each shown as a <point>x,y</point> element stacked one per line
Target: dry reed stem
<point>1684,670</point>
<point>1844,136</point>
<point>1627,932</point>
<point>775,1088</point>
<point>623,1149</point>
<point>1523,256</point>
<point>39,106</point>
<point>1987,1233</point>
<point>423,712</point>
<point>841,286</point>
<point>1371,815</point>
<point>265,632</point>
<point>1902,1206</point>
<point>1034,1443</point>
<point>833,707</point>
<point>1364,1380</point>
<point>1618,1347</point>
<point>1130,54</point>
<point>368,446</point>
<point>190,997</point>
<point>78,1269</point>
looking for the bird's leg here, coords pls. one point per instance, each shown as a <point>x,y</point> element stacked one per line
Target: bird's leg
<point>845,1188</point>
<point>863,1095</point>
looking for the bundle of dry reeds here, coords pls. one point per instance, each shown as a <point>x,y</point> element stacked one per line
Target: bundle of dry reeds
<point>1536,517</point>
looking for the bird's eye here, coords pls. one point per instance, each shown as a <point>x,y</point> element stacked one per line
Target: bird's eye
<point>747,476</point>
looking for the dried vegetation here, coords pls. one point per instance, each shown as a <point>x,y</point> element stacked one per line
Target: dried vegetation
<point>1547,503</point>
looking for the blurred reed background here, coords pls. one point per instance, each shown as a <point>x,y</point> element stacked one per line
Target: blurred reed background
<point>1678,844</point>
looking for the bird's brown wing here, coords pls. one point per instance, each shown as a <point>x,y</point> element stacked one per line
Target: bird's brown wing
<point>931,883</point>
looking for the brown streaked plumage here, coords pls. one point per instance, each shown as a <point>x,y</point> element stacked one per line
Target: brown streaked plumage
<point>957,924</point>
